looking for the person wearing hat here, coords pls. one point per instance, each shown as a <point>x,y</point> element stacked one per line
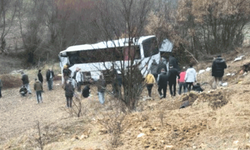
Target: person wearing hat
<point>181,81</point>
<point>218,67</point>
<point>38,87</point>
<point>173,74</point>
<point>162,83</point>
<point>69,93</point>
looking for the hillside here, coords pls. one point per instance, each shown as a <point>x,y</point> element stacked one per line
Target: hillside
<point>217,119</point>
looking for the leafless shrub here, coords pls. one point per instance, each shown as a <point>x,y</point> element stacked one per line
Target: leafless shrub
<point>113,121</point>
<point>39,138</point>
<point>77,109</point>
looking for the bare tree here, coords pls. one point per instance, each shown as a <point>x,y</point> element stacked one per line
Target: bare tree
<point>125,18</point>
<point>7,15</point>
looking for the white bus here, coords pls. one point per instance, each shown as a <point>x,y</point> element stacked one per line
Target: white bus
<point>92,59</point>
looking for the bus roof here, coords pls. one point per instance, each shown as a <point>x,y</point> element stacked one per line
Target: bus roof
<point>105,44</point>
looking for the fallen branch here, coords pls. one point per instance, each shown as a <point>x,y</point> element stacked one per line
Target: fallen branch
<point>191,55</point>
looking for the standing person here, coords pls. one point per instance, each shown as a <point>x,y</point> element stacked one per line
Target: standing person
<point>181,81</point>
<point>162,65</point>
<point>162,83</point>
<point>150,80</point>
<point>153,69</point>
<point>101,87</point>
<point>1,85</point>
<point>69,93</point>
<point>40,76</point>
<point>25,80</point>
<point>172,60</point>
<point>218,67</point>
<point>66,73</point>
<point>173,74</point>
<point>190,77</point>
<point>79,79</point>
<point>49,77</point>
<point>38,87</point>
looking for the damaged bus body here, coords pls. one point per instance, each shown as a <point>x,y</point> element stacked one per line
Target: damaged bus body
<point>93,59</point>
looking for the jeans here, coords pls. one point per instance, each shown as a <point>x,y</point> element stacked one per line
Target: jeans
<point>149,87</point>
<point>171,86</point>
<point>0,92</point>
<point>101,97</point>
<point>27,86</point>
<point>164,88</point>
<point>39,96</point>
<point>182,85</point>
<point>69,101</point>
<point>50,84</point>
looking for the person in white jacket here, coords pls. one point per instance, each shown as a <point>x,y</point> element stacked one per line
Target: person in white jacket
<point>79,79</point>
<point>190,77</point>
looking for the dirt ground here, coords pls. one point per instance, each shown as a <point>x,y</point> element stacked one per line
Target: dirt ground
<point>215,119</point>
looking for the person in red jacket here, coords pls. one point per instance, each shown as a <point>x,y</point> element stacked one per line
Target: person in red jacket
<point>181,81</point>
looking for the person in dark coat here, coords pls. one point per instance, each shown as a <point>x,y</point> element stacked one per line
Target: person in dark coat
<point>25,80</point>
<point>66,73</point>
<point>173,61</point>
<point>197,88</point>
<point>153,69</point>
<point>86,91</point>
<point>23,91</point>
<point>162,83</point>
<point>218,67</point>
<point>173,74</point>
<point>40,76</point>
<point>69,93</point>
<point>49,77</point>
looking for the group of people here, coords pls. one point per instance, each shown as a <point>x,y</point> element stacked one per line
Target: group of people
<point>76,81</point>
<point>165,74</point>
<point>38,85</point>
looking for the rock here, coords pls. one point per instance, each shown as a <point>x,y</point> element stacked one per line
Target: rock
<point>224,84</point>
<point>235,142</point>
<point>141,135</point>
<point>201,71</point>
<point>83,137</point>
<point>247,136</point>
<point>169,147</point>
<point>208,68</point>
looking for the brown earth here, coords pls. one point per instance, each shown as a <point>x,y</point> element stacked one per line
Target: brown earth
<point>215,119</point>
